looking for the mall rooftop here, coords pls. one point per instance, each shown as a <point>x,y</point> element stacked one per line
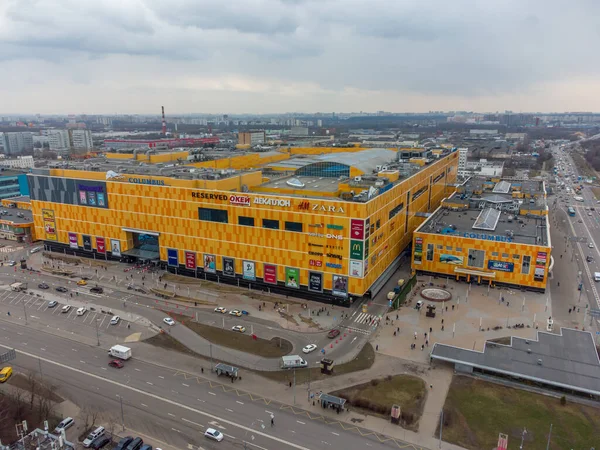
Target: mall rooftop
<point>510,210</point>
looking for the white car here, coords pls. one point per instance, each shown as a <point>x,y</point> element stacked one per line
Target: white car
<point>220,309</point>
<point>309,348</point>
<point>81,311</point>
<point>115,320</point>
<point>590,245</point>
<point>216,435</point>
<point>66,308</point>
<point>169,321</point>
<point>235,312</point>
<point>239,329</point>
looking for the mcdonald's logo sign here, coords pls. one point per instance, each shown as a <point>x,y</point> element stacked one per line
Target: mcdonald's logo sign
<point>356,249</point>
<point>304,206</point>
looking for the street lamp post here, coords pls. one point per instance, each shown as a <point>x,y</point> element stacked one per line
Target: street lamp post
<point>97,333</point>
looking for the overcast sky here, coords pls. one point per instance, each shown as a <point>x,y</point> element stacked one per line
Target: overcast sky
<point>271,56</point>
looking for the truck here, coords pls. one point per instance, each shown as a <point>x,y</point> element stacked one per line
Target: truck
<point>293,362</point>
<point>120,351</point>
<point>18,287</point>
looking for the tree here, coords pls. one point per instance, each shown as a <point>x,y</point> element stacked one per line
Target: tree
<point>33,387</point>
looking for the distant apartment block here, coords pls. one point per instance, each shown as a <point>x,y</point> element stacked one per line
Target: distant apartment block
<point>17,142</point>
<point>59,140</point>
<point>81,139</point>
<point>252,138</point>
<point>22,162</point>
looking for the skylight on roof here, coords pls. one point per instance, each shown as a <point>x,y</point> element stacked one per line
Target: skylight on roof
<point>487,219</point>
<point>502,187</point>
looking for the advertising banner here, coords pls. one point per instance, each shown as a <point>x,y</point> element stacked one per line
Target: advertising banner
<point>270,274</point>
<point>73,240</point>
<point>190,260</point>
<point>357,249</point>
<point>418,251</point>
<point>249,270</point>
<point>209,263</point>
<point>49,224</point>
<point>100,245</point>
<point>340,286</point>
<point>357,229</point>
<point>292,277</point>
<point>315,281</point>
<point>100,197</point>
<point>172,257</point>
<point>502,441</point>
<point>228,267</point>
<point>502,266</point>
<point>115,246</point>
<point>87,242</point>
<point>451,259</point>
<point>540,266</point>
<point>356,269</point>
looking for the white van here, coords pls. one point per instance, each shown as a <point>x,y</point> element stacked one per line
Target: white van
<point>596,276</point>
<point>81,311</point>
<point>92,436</point>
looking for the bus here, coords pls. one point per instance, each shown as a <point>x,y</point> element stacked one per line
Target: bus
<point>571,211</point>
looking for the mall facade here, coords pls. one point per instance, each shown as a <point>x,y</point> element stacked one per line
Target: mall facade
<point>311,227</point>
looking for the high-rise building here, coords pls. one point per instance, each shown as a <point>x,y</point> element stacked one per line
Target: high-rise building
<point>59,140</point>
<point>252,137</point>
<point>81,139</point>
<point>17,142</point>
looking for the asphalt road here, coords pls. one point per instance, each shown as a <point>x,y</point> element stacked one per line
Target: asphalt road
<point>171,406</point>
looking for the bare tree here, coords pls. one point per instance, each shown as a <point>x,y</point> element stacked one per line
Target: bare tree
<point>19,404</point>
<point>33,387</point>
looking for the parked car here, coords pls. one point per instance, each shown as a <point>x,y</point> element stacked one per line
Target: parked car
<point>135,444</point>
<point>66,309</point>
<point>62,289</point>
<point>333,333</point>
<point>97,290</point>
<point>64,424</point>
<point>5,373</point>
<point>213,434</point>
<point>115,320</point>
<point>43,286</point>
<point>220,309</point>
<point>93,436</point>
<point>116,363</point>
<point>239,329</point>
<point>123,443</point>
<point>52,303</point>
<point>81,311</point>
<point>100,442</point>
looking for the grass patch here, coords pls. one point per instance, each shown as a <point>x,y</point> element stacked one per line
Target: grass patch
<point>505,340</point>
<point>476,411</point>
<point>168,342</point>
<point>243,342</point>
<point>309,321</point>
<point>21,381</point>
<point>596,192</point>
<point>379,395</point>
<point>363,361</point>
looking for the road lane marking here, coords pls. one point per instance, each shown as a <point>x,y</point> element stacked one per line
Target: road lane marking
<point>212,393</point>
<point>237,401</point>
<point>172,415</point>
<point>186,385</point>
<point>147,382</point>
<point>137,369</point>
<point>165,400</point>
<point>175,429</point>
<point>145,406</point>
<point>83,362</point>
<point>161,377</point>
<point>302,423</point>
<point>333,432</point>
<point>174,392</point>
<point>193,423</point>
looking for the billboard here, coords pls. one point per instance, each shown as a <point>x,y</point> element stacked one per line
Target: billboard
<point>356,249</point>
<point>49,224</point>
<point>502,266</point>
<point>73,240</point>
<point>315,281</point>
<point>190,260</point>
<point>356,269</point>
<point>249,270</point>
<point>209,263</point>
<point>100,245</point>
<point>115,246</point>
<point>452,259</point>
<point>270,273</point>
<point>87,242</point>
<point>339,286</point>
<point>502,441</point>
<point>540,266</point>
<point>228,267</point>
<point>292,277</point>
<point>172,257</point>
<point>357,229</point>
<point>418,251</point>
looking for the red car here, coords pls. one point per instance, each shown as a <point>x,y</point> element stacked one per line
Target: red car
<point>117,364</point>
<point>333,334</point>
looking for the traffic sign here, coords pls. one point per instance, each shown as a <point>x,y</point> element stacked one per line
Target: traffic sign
<point>594,312</point>
<point>578,239</point>
<point>8,356</point>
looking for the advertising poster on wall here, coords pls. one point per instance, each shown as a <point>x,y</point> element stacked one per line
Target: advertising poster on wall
<point>339,286</point>
<point>418,251</point>
<point>87,242</point>
<point>292,277</point>
<point>315,281</point>
<point>540,266</point>
<point>73,240</point>
<point>270,273</point>
<point>451,259</point>
<point>356,269</point>
<point>356,249</point>
<point>82,198</point>
<point>228,267</point>
<point>100,245</point>
<point>190,260</point>
<point>249,270</point>
<point>209,263</point>
<point>49,224</point>
<point>115,247</point>
<point>100,197</point>
<point>502,266</point>
<point>172,257</point>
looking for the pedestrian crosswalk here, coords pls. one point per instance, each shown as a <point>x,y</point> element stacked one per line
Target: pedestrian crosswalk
<point>358,330</point>
<point>10,249</point>
<point>366,318</point>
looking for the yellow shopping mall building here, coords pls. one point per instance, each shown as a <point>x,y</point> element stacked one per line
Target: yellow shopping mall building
<point>328,226</point>
<point>489,231</point>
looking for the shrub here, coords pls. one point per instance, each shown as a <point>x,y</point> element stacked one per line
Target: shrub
<point>374,382</point>
<point>563,400</point>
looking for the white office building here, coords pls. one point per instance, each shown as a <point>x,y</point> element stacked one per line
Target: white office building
<point>462,160</point>
<point>17,142</point>
<point>59,140</point>
<point>82,139</point>
<point>22,162</point>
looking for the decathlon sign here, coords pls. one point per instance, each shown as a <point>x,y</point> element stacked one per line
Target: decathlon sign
<point>487,237</point>
<point>272,201</point>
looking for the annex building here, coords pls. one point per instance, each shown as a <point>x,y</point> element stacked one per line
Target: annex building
<point>488,231</point>
<point>325,224</point>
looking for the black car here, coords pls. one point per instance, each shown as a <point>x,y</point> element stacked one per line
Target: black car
<point>61,289</point>
<point>97,290</point>
<point>123,443</point>
<point>43,286</point>
<point>100,442</point>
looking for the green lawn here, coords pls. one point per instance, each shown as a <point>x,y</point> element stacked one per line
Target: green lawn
<point>476,411</point>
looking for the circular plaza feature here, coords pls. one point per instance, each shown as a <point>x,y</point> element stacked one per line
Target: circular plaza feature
<point>436,295</point>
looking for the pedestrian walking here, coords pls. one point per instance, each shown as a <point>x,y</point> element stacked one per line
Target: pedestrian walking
<point>394,333</point>
<point>396,316</point>
<point>426,335</point>
<point>507,304</point>
<point>442,327</point>
<point>431,386</point>
<point>422,347</point>
<point>569,310</point>
<point>398,329</point>
<point>442,321</point>
<point>415,335</point>
<point>427,342</point>
<point>377,348</point>
<point>430,330</point>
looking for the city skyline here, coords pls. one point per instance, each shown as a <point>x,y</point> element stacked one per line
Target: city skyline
<point>260,57</point>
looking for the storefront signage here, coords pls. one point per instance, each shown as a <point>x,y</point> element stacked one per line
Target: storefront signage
<point>339,286</point>
<point>100,245</point>
<point>356,249</point>
<point>335,247</point>
<point>83,187</point>
<point>73,240</point>
<point>335,227</point>
<point>249,270</point>
<point>241,200</point>
<point>328,208</point>
<point>172,257</point>
<point>540,266</point>
<point>209,263</point>
<point>328,236</point>
<point>292,277</point>
<point>357,229</point>
<point>502,266</point>
<point>87,242</point>
<point>334,256</point>
<point>315,253</point>
<point>315,281</point>
<point>272,201</point>
<point>356,269</point>
<point>115,246</point>
<point>228,267</point>
<point>190,260</point>
<point>270,274</point>
<point>333,265</point>
<point>487,237</point>
<point>304,206</point>
<point>208,196</point>
<point>310,244</point>
<point>418,251</point>
<point>315,263</point>
<point>147,181</point>
<point>49,224</point>
<point>315,225</point>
